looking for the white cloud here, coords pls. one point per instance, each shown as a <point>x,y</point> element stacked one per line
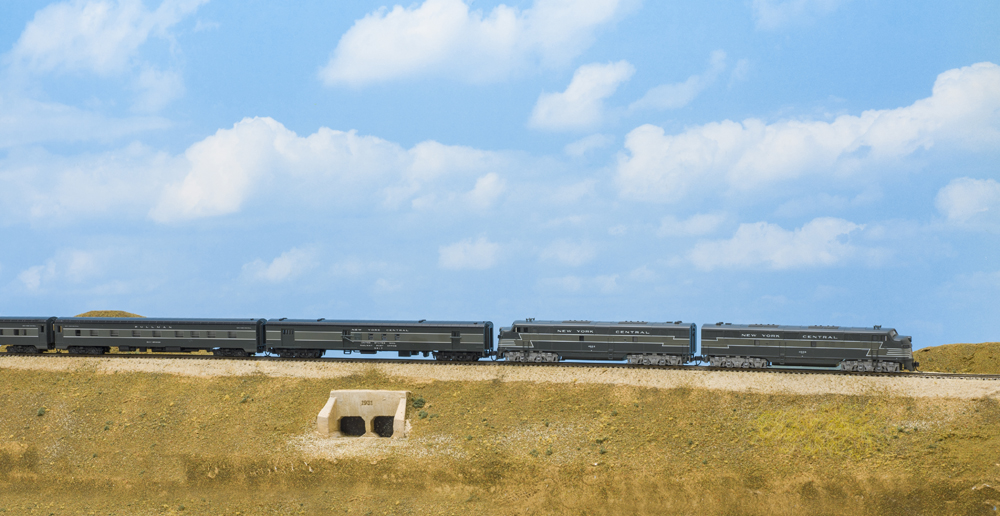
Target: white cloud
<point>99,36</point>
<point>588,143</point>
<point>24,121</point>
<point>226,169</point>
<point>572,193</point>
<point>43,187</point>
<point>696,225</point>
<point>581,106</point>
<point>740,71</point>
<point>446,38</point>
<point>32,277</point>
<point>773,14</point>
<point>290,264</point>
<point>481,198</point>
<point>970,201</point>
<point>479,254</point>
<point>678,95</point>
<point>257,160</point>
<point>487,190</point>
<point>818,243</point>
<point>569,253</point>
<point>156,89</point>
<point>68,266</point>
<point>963,111</point>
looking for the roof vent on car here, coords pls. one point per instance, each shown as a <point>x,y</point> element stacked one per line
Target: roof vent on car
<point>762,325</point>
<point>631,322</point>
<point>283,318</point>
<point>571,321</point>
<point>530,319</point>
<point>321,319</point>
<point>678,322</point>
<point>720,323</point>
<point>878,326</point>
<point>422,320</point>
<point>824,327</point>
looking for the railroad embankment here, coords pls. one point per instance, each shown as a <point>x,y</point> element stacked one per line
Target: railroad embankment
<point>185,436</point>
<point>981,358</point>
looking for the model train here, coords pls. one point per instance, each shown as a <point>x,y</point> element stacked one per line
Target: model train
<point>873,349</point>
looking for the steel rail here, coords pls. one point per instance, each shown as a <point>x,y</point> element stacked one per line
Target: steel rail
<point>781,370</point>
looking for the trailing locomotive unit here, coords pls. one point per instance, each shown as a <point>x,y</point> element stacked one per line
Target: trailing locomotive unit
<point>97,335</point>
<point>852,349</point>
<point>638,342</point>
<point>447,340</point>
<point>26,334</point>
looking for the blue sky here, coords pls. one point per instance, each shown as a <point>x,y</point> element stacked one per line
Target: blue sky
<point>793,162</point>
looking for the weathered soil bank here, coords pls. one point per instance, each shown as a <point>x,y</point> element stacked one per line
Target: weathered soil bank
<point>154,436</point>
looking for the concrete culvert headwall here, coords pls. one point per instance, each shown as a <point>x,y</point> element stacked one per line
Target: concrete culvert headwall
<point>368,413</point>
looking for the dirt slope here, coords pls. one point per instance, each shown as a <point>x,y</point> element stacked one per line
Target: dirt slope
<point>108,313</point>
<point>82,439</point>
<point>981,358</point>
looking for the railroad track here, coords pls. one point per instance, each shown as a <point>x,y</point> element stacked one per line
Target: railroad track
<point>611,365</point>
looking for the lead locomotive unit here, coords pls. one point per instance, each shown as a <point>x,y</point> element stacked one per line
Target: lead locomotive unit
<point>852,349</point>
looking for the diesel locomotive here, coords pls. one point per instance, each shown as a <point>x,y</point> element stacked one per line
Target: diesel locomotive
<point>755,346</point>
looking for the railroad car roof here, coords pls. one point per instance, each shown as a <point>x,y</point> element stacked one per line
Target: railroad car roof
<point>151,320</point>
<point>779,327</point>
<point>348,322</point>
<point>532,322</point>
<point>26,319</point>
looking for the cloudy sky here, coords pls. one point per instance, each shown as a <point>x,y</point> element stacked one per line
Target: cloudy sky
<point>780,161</point>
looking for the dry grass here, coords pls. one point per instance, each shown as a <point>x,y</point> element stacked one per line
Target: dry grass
<point>981,358</point>
<point>108,313</point>
<point>144,443</point>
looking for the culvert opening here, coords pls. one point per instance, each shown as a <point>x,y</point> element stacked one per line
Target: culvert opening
<point>382,425</point>
<point>352,425</point>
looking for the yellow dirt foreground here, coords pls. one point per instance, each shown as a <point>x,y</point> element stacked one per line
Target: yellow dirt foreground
<point>166,436</point>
